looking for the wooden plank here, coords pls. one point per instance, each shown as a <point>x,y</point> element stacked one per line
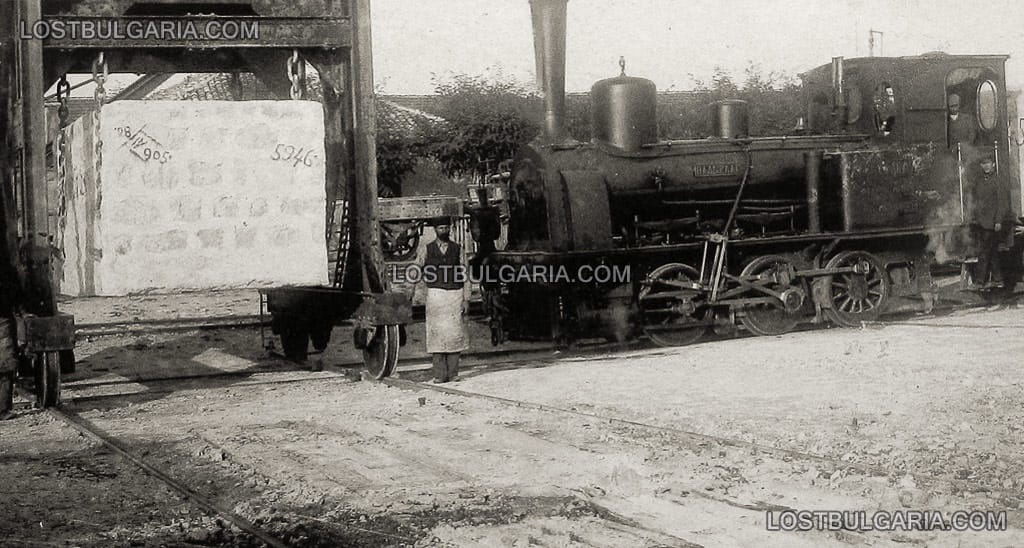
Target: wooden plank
<point>364,201</point>
<point>42,299</point>
<point>419,207</point>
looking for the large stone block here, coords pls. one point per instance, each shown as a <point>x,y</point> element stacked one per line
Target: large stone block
<point>195,195</point>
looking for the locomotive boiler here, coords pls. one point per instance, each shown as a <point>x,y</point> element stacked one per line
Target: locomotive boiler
<point>830,222</point>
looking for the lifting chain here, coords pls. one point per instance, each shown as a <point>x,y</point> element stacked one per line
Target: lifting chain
<point>297,75</point>
<point>99,75</point>
<point>63,95</point>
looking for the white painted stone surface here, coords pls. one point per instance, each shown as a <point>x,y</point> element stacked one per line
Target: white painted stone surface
<point>197,195</point>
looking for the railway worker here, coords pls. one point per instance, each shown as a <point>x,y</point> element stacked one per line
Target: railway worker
<point>989,215</point>
<point>962,127</point>
<point>444,274</point>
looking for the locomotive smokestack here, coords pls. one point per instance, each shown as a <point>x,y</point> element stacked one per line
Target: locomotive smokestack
<point>549,21</point>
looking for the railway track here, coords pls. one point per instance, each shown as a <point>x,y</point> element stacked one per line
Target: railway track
<point>91,431</point>
<point>494,360</point>
<point>490,361</point>
<point>700,437</point>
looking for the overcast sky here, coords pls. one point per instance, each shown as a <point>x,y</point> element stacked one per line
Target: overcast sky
<point>668,40</point>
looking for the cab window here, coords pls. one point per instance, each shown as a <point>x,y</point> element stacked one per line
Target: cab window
<point>885,108</point>
<point>988,105</point>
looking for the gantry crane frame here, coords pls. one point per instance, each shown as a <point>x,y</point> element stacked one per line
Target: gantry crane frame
<point>331,35</point>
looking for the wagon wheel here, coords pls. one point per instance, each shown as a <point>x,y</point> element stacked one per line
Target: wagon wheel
<point>399,241</point>
<point>672,308</point>
<point>769,319</point>
<point>381,354</point>
<point>858,296</point>
<point>47,377</point>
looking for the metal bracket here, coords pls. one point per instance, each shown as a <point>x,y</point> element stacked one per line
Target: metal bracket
<point>389,308</point>
<point>45,333</point>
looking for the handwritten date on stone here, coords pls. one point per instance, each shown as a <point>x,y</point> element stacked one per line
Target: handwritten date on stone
<point>288,153</point>
<point>143,145</point>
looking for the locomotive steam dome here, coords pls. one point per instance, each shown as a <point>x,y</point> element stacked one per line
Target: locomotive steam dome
<point>729,119</point>
<point>624,112</point>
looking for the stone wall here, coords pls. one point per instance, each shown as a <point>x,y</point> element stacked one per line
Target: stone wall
<point>195,195</point>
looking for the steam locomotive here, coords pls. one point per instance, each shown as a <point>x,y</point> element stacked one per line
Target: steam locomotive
<point>830,222</point>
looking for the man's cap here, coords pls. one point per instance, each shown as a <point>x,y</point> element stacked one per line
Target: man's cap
<point>986,158</point>
<point>441,221</point>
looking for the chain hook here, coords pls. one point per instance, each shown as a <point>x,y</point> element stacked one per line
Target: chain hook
<point>294,70</point>
<point>61,152</point>
<point>100,72</point>
<point>63,95</point>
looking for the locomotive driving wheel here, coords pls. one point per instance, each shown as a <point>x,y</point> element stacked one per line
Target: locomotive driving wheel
<point>776,273</point>
<point>671,302</point>
<point>857,296</point>
<point>380,357</point>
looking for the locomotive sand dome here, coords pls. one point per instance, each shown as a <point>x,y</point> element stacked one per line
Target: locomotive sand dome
<point>729,119</point>
<point>624,112</point>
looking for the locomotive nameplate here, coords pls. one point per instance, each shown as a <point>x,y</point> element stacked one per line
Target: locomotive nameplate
<point>717,170</point>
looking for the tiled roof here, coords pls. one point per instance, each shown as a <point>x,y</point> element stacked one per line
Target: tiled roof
<point>218,87</point>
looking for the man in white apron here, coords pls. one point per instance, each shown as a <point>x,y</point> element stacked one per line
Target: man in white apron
<point>446,278</point>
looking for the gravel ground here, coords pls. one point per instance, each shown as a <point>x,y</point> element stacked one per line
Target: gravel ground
<point>650,447</point>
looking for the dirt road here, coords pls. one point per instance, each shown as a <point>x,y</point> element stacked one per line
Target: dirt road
<point>655,447</point>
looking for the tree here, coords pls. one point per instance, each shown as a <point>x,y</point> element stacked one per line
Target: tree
<point>773,99</point>
<point>486,121</point>
<point>400,143</point>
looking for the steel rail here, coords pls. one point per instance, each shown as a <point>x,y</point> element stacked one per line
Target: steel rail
<point>91,431</point>
<point>501,357</point>
<point>421,364</point>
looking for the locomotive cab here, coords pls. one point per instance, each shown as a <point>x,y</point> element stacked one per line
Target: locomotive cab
<point>904,99</point>
<point>901,104</point>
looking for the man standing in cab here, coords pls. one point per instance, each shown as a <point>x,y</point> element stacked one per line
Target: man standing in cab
<point>962,128</point>
<point>445,276</point>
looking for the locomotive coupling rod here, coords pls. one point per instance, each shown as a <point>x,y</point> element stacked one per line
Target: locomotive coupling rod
<point>815,272</point>
<point>745,285</point>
